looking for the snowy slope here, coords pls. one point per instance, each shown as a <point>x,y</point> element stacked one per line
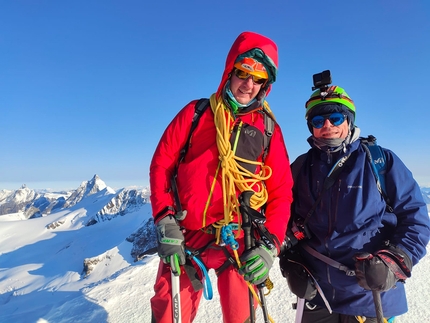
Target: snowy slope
<point>57,269</point>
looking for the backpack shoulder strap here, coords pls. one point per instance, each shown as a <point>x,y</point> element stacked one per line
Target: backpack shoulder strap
<point>199,109</point>
<point>269,127</point>
<point>377,159</point>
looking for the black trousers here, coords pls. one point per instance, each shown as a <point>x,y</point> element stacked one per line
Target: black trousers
<point>317,314</point>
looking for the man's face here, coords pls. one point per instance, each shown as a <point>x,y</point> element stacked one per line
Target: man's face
<point>244,90</point>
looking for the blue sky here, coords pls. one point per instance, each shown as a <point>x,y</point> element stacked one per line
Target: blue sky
<point>88,87</point>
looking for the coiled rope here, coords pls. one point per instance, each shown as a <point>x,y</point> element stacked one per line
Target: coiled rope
<point>233,176</point>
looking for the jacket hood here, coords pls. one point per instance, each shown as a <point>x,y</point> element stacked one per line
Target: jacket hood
<point>259,47</point>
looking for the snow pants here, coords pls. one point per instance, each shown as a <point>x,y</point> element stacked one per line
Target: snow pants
<point>232,288</point>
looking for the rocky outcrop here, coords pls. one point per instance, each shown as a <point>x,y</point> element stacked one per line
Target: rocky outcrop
<point>144,240</point>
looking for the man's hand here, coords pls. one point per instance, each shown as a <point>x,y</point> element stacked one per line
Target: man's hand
<point>256,263</point>
<point>381,271</point>
<point>170,240</point>
<point>372,274</point>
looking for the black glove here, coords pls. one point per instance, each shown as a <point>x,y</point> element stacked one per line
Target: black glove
<point>382,270</point>
<point>256,264</point>
<point>170,239</point>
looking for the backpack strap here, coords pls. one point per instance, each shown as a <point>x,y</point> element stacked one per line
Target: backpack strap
<point>269,127</point>
<point>377,160</point>
<point>199,109</point>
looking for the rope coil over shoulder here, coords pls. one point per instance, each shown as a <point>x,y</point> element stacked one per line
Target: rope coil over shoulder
<point>233,176</point>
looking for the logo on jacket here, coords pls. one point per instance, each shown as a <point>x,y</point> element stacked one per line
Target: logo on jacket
<point>250,132</point>
<point>380,160</point>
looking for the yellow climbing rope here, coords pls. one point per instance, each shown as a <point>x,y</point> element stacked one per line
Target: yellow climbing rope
<point>233,176</point>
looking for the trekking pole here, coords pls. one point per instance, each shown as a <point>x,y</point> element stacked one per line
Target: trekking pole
<point>263,303</point>
<point>299,309</point>
<point>245,202</point>
<point>376,295</point>
<point>246,226</point>
<point>176,296</point>
<point>378,306</point>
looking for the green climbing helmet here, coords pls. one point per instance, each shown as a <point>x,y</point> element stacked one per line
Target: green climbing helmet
<point>332,94</point>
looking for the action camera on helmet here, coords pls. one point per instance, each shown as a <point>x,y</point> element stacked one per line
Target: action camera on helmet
<point>321,80</point>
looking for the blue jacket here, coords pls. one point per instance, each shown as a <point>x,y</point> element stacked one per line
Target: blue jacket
<point>352,217</point>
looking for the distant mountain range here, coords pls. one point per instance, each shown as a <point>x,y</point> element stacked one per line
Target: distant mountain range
<point>40,203</point>
<point>26,204</point>
<point>33,204</point>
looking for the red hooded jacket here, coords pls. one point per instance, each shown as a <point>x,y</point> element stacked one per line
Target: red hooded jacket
<point>196,173</point>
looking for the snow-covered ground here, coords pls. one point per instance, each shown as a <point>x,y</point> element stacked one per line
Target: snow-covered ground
<point>42,276</point>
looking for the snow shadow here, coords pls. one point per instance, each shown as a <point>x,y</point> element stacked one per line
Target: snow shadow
<point>45,306</point>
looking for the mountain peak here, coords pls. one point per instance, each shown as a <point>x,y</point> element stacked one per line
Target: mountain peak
<point>86,189</point>
<point>95,185</point>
